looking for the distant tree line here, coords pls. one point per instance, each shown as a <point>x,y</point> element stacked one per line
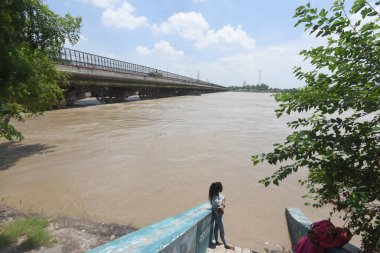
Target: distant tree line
<point>258,88</point>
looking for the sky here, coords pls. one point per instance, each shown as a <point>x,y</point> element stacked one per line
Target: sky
<point>226,42</point>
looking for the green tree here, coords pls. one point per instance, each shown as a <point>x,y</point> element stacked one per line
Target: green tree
<point>339,142</point>
<point>262,86</point>
<point>30,36</point>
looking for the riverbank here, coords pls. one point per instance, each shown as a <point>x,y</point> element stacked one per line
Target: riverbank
<point>69,234</point>
<point>141,162</point>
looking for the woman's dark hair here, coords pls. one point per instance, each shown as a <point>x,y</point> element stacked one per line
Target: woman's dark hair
<point>215,188</point>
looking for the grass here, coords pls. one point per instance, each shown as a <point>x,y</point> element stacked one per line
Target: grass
<point>33,228</point>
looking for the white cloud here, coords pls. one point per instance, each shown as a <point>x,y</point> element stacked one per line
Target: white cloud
<point>102,3</point>
<point>163,49</point>
<point>226,37</point>
<point>143,50</point>
<point>189,25</point>
<point>123,17</point>
<point>192,26</point>
<point>276,63</point>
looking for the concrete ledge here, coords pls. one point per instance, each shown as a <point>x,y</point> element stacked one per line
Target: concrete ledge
<point>299,225</point>
<point>188,232</point>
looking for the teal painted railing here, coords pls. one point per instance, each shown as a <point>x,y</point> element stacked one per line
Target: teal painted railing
<point>299,225</point>
<point>188,232</point>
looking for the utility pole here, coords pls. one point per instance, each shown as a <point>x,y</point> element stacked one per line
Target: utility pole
<point>259,77</point>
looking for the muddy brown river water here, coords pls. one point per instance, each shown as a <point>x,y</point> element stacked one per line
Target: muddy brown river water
<point>142,161</point>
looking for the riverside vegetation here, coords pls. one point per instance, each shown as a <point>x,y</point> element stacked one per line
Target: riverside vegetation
<point>31,228</point>
<point>258,88</point>
<point>339,142</point>
<point>30,35</point>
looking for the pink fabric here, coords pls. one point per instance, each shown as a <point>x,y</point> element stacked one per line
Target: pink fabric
<point>323,235</point>
<point>304,245</point>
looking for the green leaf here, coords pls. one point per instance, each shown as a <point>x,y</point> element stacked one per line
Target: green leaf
<point>338,141</point>
<point>28,72</point>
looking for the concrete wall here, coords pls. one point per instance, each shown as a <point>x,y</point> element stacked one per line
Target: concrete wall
<point>188,232</point>
<point>299,224</point>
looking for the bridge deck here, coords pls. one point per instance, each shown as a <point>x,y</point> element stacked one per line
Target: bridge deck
<point>86,68</point>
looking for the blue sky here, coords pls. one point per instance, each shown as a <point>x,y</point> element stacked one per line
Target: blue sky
<point>227,42</point>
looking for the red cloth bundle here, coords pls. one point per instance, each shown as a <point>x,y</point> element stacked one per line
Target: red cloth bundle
<point>322,235</point>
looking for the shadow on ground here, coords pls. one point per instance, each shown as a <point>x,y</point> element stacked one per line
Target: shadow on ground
<point>213,246</point>
<point>11,152</point>
<point>277,251</point>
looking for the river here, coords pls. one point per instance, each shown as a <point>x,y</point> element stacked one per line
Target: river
<point>142,161</point>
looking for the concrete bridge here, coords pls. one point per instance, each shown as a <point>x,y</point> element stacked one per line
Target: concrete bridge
<point>111,80</point>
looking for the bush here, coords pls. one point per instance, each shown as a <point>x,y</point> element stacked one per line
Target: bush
<point>33,228</point>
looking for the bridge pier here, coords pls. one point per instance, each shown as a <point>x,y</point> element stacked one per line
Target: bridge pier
<point>74,92</point>
<point>157,93</point>
<point>72,96</point>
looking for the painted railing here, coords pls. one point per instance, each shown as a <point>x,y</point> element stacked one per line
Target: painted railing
<point>299,225</point>
<point>188,232</point>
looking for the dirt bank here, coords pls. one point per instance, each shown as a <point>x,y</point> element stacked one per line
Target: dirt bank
<point>71,235</point>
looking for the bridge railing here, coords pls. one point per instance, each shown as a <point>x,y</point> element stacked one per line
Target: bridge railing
<point>82,59</point>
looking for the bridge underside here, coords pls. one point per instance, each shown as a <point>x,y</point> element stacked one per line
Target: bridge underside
<point>120,94</point>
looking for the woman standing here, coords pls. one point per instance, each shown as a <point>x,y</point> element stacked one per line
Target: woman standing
<point>218,204</point>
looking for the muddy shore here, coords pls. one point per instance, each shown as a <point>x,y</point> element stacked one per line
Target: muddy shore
<point>70,235</point>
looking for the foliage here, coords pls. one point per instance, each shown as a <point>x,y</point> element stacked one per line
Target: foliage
<point>257,88</point>
<point>339,142</point>
<point>32,228</point>
<point>30,36</point>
